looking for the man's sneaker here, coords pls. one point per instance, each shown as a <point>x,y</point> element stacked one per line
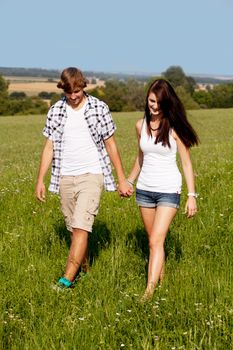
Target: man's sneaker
<point>63,284</point>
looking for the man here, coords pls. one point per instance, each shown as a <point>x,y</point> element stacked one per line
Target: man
<point>80,140</point>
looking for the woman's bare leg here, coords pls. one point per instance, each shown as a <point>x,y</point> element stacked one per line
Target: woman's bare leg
<point>157,231</point>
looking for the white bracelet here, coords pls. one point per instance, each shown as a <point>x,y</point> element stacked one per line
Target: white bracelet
<point>192,194</point>
<point>130,182</point>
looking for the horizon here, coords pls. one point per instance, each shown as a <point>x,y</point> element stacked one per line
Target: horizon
<point>136,73</point>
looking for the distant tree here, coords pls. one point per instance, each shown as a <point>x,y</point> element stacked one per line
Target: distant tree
<point>54,98</point>
<point>186,98</point>
<point>97,92</point>
<point>45,95</point>
<point>114,95</point>
<point>18,103</point>
<point>28,105</point>
<point>3,87</point>
<point>18,95</point>
<point>203,98</point>
<point>222,96</point>
<point>176,76</point>
<point>121,96</point>
<point>135,96</point>
<point>3,96</point>
<point>4,106</point>
<point>190,85</point>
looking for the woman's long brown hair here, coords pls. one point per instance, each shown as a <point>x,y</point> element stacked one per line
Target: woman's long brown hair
<point>173,115</point>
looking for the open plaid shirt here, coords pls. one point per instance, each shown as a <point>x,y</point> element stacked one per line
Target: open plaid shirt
<point>101,127</point>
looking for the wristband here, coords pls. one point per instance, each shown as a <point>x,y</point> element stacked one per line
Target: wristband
<point>192,194</point>
<point>130,182</point>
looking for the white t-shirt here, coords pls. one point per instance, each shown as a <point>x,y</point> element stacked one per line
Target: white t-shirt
<point>80,155</point>
<point>159,171</point>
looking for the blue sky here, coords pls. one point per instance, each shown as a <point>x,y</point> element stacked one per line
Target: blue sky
<point>129,36</point>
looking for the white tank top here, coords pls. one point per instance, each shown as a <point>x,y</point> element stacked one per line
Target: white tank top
<point>159,172</point>
<point>80,155</point>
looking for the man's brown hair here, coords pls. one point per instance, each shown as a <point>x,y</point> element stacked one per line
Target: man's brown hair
<point>71,80</point>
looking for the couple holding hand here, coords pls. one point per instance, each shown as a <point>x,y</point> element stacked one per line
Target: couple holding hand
<point>80,145</point>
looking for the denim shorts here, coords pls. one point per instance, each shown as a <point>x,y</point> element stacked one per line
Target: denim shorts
<point>150,199</point>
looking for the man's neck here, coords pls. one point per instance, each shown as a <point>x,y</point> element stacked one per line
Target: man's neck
<point>79,106</point>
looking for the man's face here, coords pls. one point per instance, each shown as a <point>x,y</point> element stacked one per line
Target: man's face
<point>75,97</point>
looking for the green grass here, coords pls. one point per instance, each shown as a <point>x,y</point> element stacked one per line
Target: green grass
<point>192,310</point>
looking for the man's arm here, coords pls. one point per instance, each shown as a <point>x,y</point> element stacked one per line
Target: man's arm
<point>45,162</point>
<point>124,188</point>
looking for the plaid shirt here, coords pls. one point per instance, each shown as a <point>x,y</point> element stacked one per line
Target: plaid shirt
<point>101,127</point>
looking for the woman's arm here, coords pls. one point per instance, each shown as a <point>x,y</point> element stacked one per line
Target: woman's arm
<point>138,161</point>
<point>191,204</point>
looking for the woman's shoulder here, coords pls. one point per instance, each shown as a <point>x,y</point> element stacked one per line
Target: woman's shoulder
<point>173,134</point>
<point>139,124</point>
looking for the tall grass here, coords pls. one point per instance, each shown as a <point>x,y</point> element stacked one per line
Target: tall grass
<point>192,310</point>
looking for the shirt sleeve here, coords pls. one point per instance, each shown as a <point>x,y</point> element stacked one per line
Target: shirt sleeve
<point>107,123</point>
<point>48,129</point>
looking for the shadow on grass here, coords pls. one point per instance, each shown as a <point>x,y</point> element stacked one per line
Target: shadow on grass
<point>138,242</point>
<point>99,238</point>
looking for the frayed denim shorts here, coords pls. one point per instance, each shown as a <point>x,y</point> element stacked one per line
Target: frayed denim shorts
<point>150,199</point>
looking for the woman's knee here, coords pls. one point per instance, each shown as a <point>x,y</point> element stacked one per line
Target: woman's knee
<point>156,244</point>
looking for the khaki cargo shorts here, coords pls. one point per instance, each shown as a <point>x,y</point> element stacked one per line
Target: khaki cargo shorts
<point>80,198</point>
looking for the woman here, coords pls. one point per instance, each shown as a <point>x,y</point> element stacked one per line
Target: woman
<point>161,133</point>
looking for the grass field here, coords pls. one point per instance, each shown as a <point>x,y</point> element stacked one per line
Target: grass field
<point>192,310</point>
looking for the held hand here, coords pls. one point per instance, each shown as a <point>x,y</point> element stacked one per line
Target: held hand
<point>130,190</point>
<point>125,189</point>
<point>191,207</point>
<point>40,191</point>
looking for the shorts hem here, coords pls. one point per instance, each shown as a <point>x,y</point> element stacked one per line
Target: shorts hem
<point>167,204</point>
<point>70,228</point>
<point>146,205</point>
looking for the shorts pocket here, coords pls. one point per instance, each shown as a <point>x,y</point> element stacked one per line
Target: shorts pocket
<point>93,206</point>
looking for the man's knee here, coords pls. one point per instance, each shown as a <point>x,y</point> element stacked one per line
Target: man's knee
<point>79,233</point>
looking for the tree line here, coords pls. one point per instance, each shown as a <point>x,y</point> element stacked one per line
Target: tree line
<point>130,95</point>
<point>221,96</point>
<point>123,95</point>
<point>18,103</point>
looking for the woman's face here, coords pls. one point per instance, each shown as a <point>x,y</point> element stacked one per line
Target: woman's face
<point>153,104</point>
